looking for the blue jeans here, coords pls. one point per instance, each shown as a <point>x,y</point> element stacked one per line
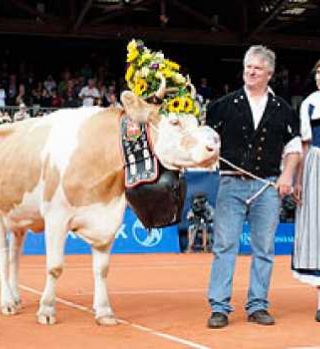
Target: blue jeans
<point>231,213</point>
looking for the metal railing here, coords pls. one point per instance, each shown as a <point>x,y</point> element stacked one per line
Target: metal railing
<point>33,111</point>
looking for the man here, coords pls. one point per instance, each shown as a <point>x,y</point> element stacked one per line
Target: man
<point>89,94</point>
<point>21,114</point>
<point>3,96</point>
<point>255,126</point>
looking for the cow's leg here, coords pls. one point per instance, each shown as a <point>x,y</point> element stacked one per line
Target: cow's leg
<point>8,306</point>
<point>103,312</point>
<point>15,245</point>
<point>55,233</point>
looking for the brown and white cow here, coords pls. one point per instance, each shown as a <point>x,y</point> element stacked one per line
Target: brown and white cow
<point>64,172</point>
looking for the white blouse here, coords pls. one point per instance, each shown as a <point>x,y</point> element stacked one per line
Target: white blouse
<point>310,110</point>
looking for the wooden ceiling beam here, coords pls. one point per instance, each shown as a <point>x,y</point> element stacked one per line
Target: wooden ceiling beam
<point>113,11</point>
<point>158,34</point>
<point>276,10</point>
<point>195,14</point>
<point>82,14</point>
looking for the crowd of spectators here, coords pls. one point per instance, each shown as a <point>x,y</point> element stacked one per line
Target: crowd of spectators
<point>21,88</point>
<point>66,89</point>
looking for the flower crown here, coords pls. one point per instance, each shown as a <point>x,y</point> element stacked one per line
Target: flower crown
<point>157,79</point>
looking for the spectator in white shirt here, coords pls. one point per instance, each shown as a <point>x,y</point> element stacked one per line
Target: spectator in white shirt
<point>50,84</point>
<point>89,94</point>
<point>2,96</point>
<point>21,114</point>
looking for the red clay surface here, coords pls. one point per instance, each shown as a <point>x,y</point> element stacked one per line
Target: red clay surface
<point>163,300</point>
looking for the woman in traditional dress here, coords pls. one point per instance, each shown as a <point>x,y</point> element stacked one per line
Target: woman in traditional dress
<point>306,257</point>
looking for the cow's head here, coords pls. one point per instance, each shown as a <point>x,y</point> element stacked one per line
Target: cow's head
<point>178,140</point>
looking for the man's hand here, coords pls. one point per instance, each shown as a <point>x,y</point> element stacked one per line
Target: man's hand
<point>285,181</point>
<point>284,185</point>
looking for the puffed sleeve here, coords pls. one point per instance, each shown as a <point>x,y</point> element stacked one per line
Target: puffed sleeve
<point>305,126</point>
<point>292,125</point>
<point>214,116</point>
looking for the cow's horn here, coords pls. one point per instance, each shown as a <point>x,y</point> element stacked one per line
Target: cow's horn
<point>193,91</point>
<point>162,88</point>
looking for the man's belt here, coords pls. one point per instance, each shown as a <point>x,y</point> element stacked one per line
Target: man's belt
<point>238,174</point>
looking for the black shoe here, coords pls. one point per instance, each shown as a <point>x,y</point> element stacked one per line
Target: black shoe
<point>317,317</point>
<point>261,317</point>
<point>218,320</point>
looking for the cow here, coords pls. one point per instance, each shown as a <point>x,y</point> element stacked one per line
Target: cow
<point>64,172</point>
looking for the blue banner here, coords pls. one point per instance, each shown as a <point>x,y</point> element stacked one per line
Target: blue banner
<point>199,182</point>
<point>283,239</point>
<point>132,237</point>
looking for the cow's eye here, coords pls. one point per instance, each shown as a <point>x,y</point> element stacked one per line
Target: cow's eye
<point>174,121</point>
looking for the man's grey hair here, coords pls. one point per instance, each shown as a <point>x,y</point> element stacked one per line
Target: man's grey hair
<point>264,53</point>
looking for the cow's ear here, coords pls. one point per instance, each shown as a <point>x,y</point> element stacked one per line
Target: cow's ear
<point>130,102</point>
<point>135,107</point>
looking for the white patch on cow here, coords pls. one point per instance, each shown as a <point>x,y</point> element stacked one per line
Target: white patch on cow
<point>63,136</point>
<point>98,222</point>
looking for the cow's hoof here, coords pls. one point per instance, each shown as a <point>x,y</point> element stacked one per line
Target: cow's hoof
<point>18,304</point>
<point>107,321</point>
<point>9,309</point>
<point>46,319</point>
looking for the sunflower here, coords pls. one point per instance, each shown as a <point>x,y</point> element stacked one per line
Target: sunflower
<point>188,104</point>
<point>129,73</point>
<point>175,105</point>
<point>140,87</point>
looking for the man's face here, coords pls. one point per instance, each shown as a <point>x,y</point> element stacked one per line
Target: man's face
<point>317,77</point>
<point>256,73</point>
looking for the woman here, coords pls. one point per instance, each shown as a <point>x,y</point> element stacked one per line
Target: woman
<point>306,258</point>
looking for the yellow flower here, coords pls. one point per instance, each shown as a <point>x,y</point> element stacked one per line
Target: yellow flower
<point>140,87</point>
<point>188,104</point>
<point>129,72</point>
<point>133,51</point>
<point>172,65</point>
<point>166,72</point>
<point>132,55</point>
<point>196,110</point>
<point>175,105</point>
<point>132,45</point>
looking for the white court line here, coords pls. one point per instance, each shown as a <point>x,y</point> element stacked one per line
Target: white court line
<point>169,337</point>
<point>122,267</point>
<point>173,291</point>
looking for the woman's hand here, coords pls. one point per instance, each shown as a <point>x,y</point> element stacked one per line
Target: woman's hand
<point>297,193</point>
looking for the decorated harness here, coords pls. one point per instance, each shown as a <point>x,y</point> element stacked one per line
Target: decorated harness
<point>154,193</point>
